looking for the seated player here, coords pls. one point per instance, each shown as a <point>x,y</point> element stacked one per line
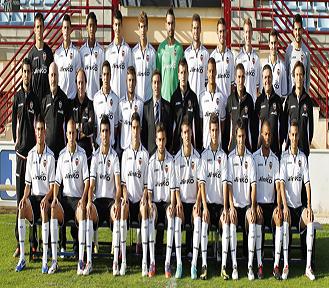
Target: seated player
<point>105,188</point>
<point>188,197</point>
<point>293,172</point>
<point>213,179</point>
<point>242,197</point>
<point>268,183</point>
<point>72,171</point>
<point>161,196</point>
<point>134,191</point>
<point>39,182</point>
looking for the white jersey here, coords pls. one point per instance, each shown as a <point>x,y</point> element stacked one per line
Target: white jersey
<point>197,61</point>
<point>213,174</point>
<point>241,175</point>
<point>211,103</point>
<point>291,57</point>
<point>267,173</point>
<point>145,64</point>
<point>293,172</point>
<point>251,64</point>
<point>126,110</point>
<point>120,59</point>
<point>40,171</point>
<point>187,175</point>
<point>279,76</point>
<point>72,170</point>
<point>106,105</point>
<point>161,177</point>
<point>92,59</point>
<point>225,71</point>
<point>134,172</point>
<point>103,170</point>
<point>68,62</point>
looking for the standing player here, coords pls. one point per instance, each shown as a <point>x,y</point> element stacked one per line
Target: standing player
<point>188,198</point>
<point>277,65</point>
<point>213,179</point>
<point>250,60</point>
<point>68,60</point>
<point>297,51</point>
<point>26,108</point>
<point>224,62</point>
<point>197,57</point>
<point>40,56</point>
<point>39,181</point>
<point>268,183</point>
<point>169,53</point>
<point>118,54</point>
<point>161,196</point>
<point>144,60</point>
<point>72,171</point>
<point>239,105</point>
<point>127,106</point>
<point>268,106</point>
<point>92,57</point>
<point>212,101</point>
<point>299,106</point>
<point>106,102</point>
<point>134,191</point>
<point>105,188</point>
<point>293,173</point>
<point>242,198</point>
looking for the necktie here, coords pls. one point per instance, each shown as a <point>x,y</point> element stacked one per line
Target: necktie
<point>157,112</point>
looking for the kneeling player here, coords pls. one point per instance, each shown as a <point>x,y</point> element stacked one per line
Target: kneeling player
<point>72,170</point>
<point>105,185</point>
<point>134,187</point>
<point>268,182</point>
<point>39,182</point>
<point>242,194</point>
<point>213,185</point>
<point>293,172</point>
<point>188,197</point>
<point>161,191</point>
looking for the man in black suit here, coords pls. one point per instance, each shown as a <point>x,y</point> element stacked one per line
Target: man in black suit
<point>156,110</point>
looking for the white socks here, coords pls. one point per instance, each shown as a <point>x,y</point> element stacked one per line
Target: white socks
<point>21,237</point>
<point>89,238</point>
<point>152,238</point>
<point>82,238</point>
<point>251,243</point>
<point>144,230</point>
<point>116,240</point>
<point>259,244</point>
<point>309,243</point>
<point>123,238</point>
<point>233,243</point>
<point>278,244</point>
<point>196,239</point>
<point>204,242</point>
<point>285,242</point>
<point>178,240</point>
<point>225,242</point>
<point>54,237</point>
<point>170,236</point>
<point>45,235</point>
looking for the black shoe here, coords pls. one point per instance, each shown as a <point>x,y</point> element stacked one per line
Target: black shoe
<point>203,275</point>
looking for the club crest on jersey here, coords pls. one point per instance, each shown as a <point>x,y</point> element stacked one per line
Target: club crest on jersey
<point>175,52</point>
<point>305,108</point>
<point>270,165</point>
<point>246,164</point>
<point>189,104</point>
<point>44,56</point>
<point>71,55</point>
<point>140,161</point>
<point>76,161</point>
<point>109,163</point>
<point>300,163</point>
<point>111,102</point>
<point>166,168</point>
<point>135,108</point>
<point>123,53</point>
<point>278,72</point>
<point>147,58</point>
<point>31,105</point>
<point>302,58</point>
<point>96,54</point>
<point>86,110</point>
<point>192,165</point>
<point>246,109</point>
<point>44,162</point>
<point>219,160</point>
<point>274,106</point>
<point>201,57</point>
<point>217,101</point>
<point>60,104</point>
<point>253,61</point>
<point>227,60</point>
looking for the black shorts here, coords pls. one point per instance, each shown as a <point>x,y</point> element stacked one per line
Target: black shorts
<point>134,211</point>
<point>215,211</point>
<point>69,205</point>
<point>188,210</point>
<point>35,203</point>
<point>242,217</point>
<point>296,215</point>
<point>268,209</point>
<point>103,208</point>
<point>161,209</point>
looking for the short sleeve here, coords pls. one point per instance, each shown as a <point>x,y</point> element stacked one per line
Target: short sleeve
<point>172,183</point>
<point>116,165</point>
<point>224,168</point>
<point>51,176</point>
<point>85,172</point>
<point>146,160</point>
<point>150,183</point>
<point>283,170</point>
<point>93,167</point>
<point>276,167</point>
<point>59,176</point>
<point>123,165</point>
<point>28,176</point>
<point>230,171</point>
<point>252,174</point>
<point>306,175</point>
<point>203,170</point>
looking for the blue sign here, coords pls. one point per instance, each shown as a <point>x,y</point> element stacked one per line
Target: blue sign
<point>8,173</point>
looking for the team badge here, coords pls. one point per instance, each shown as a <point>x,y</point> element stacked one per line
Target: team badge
<point>193,165</point>
<point>109,163</point>
<point>76,161</point>
<point>175,52</point>
<point>300,163</point>
<point>270,165</point>
<point>201,57</point>
<point>166,168</point>
<point>246,109</point>
<point>305,108</point>
<point>219,160</point>
<point>96,54</point>
<point>140,161</point>
<point>278,72</point>
<point>227,60</point>
<point>253,61</point>
<point>189,104</point>
<point>217,101</point>
<point>71,55</point>
<point>60,104</point>
<point>147,58</point>
<point>135,108</point>
<point>44,162</point>
<point>44,56</point>
<point>123,53</point>
<point>86,110</point>
<point>31,105</point>
<point>302,58</point>
<point>111,102</point>
<point>246,164</point>
<point>274,106</point>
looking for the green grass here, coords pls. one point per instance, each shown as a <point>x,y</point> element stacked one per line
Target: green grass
<point>102,274</point>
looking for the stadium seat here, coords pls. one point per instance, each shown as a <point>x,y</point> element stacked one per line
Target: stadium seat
<point>4,18</point>
<point>305,6</point>
<point>292,5</point>
<point>17,18</point>
<point>49,2</point>
<point>320,6</point>
<point>23,2</point>
<point>323,23</point>
<point>35,2</point>
<point>309,23</point>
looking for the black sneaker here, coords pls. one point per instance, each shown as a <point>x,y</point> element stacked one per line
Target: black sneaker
<point>203,275</point>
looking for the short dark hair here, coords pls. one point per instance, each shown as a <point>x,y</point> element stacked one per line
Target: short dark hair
<point>267,67</point>
<point>221,21</point>
<point>212,61</point>
<point>131,70</point>
<point>182,62</point>
<point>298,64</point>
<point>40,119</point>
<point>105,121</point>
<point>106,64</point>
<point>135,117</point>
<point>240,66</point>
<point>40,17</point>
<point>27,61</point>
<point>185,122</point>
<point>118,15</point>
<point>159,127</point>
<point>156,72</point>
<point>142,18</point>
<point>91,16</point>
<point>196,18</point>
<point>274,33</point>
<point>297,19</point>
<point>294,123</point>
<point>170,11</point>
<point>239,125</point>
<point>213,119</point>
<point>67,18</point>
